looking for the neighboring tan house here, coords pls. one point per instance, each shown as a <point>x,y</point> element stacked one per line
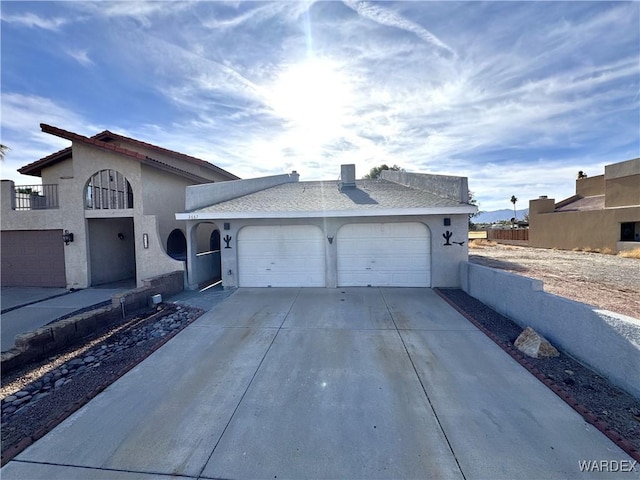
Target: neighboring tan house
<point>603,214</point>
<point>405,229</point>
<point>105,212</point>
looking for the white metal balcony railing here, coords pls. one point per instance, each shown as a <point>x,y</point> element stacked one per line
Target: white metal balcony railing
<point>35,197</point>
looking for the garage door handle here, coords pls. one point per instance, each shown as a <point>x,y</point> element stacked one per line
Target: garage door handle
<point>368,268</point>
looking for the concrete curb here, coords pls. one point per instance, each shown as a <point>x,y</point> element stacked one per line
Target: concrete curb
<point>588,416</point>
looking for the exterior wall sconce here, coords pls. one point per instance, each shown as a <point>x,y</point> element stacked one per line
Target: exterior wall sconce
<point>330,238</point>
<point>227,226</point>
<point>121,236</point>
<point>67,237</point>
<point>447,222</point>
<point>145,240</point>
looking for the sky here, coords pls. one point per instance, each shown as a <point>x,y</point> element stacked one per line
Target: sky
<point>516,96</point>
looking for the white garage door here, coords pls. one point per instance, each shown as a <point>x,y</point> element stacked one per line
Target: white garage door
<point>281,256</point>
<point>384,254</point>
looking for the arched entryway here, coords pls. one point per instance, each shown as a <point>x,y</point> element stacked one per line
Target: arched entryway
<point>111,235</point>
<point>207,270</point>
<point>111,250</point>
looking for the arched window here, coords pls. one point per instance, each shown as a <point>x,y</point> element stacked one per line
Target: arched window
<point>108,189</point>
<point>177,245</point>
<point>214,241</point>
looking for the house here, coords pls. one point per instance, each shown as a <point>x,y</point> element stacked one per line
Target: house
<point>105,212</point>
<point>603,214</point>
<point>405,229</point>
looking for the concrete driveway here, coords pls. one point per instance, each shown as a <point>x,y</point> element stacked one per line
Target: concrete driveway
<point>358,383</point>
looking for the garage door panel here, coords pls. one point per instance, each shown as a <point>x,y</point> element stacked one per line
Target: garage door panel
<point>384,254</point>
<point>33,258</point>
<point>281,256</point>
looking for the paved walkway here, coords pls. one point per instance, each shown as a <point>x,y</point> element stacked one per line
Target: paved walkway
<point>32,307</point>
<point>359,383</point>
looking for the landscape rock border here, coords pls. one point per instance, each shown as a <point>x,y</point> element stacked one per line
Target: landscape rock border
<point>143,337</point>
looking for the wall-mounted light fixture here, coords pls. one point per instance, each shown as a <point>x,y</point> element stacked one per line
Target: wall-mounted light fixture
<point>121,236</point>
<point>447,222</point>
<point>227,226</point>
<point>145,240</point>
<point>330,238</point>
<point>67,237</point>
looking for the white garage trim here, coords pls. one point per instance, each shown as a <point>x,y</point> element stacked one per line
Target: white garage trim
<point>281,256</point>
<point>384,254</point>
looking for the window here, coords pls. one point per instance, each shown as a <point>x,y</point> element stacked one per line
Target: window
<point>177,245</point>
<point>628,232</point>
<point>108,189</point>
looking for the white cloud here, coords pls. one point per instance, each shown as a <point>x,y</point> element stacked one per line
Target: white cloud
<point>32,20</point>
<point>265,11</point>
<point>390,18</point>
<point>143,11</point>
<point>502,87</point>
<point>20,124</point>
<point>81,56</point>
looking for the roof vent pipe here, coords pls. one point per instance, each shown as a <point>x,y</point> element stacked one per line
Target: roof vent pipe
<point>347,176</point>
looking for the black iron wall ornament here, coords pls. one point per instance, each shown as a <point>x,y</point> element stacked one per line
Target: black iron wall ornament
<point>330,239</point>
<point>227,240</point>
<point>447,236</point>
<point>67,237</point>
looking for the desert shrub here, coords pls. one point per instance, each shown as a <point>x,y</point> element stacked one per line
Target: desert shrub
<point>481,243</point>
<point>635,253</point>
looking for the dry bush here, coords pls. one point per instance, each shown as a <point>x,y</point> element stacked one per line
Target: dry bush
<point>604,251</point>
<point>481,243</point>
<point>635,253</point>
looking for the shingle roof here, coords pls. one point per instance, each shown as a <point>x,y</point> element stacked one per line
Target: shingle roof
<point>98,141</point>
<point>300,197</point>
<point>581,204</point>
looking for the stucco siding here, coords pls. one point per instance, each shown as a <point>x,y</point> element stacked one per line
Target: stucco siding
<point>174,161</point>
<point>587,187</point>
<point>163,195</point>
<point>446,186</point>
<point>622,169</point>
<point>623,191</point>
<point>445,259</point>
<point>57,172</point>
<point>153,260</point>
<point>591,229</point>
<point>593,217</point>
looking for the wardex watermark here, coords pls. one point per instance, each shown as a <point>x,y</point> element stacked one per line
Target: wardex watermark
<point>616,466</point>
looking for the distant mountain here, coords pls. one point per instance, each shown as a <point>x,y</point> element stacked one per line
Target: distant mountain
<point>497,215</point>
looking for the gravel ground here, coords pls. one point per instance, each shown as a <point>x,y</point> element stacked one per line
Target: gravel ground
<point>609,282</point>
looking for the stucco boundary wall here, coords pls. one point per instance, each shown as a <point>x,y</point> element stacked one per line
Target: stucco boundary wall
<point>199,196</point>
<point>42,342</point>
<point>605,341</point>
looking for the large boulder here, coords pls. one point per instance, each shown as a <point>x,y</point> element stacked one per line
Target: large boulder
<point>534,345</point>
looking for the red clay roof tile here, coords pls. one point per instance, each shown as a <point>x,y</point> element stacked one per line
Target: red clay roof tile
<point>97,140</point>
